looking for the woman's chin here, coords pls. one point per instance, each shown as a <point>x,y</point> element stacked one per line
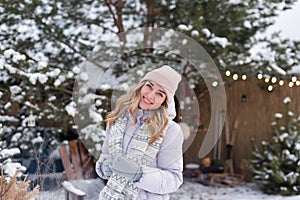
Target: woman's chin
<point>145,107</point>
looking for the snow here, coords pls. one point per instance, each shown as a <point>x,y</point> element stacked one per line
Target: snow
<point>57,83</point>
<point>10,152</point>
<point>290,113</point>
<point>84,76</point>
<point>235,2</point>
<point>195,33</point>
<point>8,119</point>
<point>222,41</point>
<point>189,190</point>
<point>15,89</point>
<point>52,98</point>
<point>96,117</point>
<point>283,136</point>
<point>11,168</point>
<point>287,100</point>
<point>76,70</point>
<point>16,137</point>
<point>93,131</point>
<point>71,108</point>
<point>247,24</point>
<point>278,69</point>
<point>183,27</point>
<point>38,139</point>
<point>206,32</point>
<point>54,73</point>
<point>42,78</point>
<point>69,186</point>
<point>7,105</point>
<point>42,64</point>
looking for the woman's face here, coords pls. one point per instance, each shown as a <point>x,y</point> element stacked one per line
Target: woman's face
<point>152,96</point>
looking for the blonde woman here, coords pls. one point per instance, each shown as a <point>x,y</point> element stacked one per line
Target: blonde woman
<point>142,154</point>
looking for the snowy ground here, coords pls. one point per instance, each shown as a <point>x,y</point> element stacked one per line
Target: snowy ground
<point>188,191</point>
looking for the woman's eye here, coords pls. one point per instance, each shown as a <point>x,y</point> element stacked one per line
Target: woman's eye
<point>160,94</point>
<point>148,85</point>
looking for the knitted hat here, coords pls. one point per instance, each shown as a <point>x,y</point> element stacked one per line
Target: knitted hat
<point>166,77</point>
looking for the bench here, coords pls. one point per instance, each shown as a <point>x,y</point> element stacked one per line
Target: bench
<point>78,164</point>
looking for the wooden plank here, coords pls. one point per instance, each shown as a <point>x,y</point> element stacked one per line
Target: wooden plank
<point>66,162</point>
<point>75,157</point>
<point>87,166</point>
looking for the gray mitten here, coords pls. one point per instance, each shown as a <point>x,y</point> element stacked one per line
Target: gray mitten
<point>106,167</point>
<point>128,168</point>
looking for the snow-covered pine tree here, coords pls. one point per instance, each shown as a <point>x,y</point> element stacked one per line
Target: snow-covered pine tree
<point>276,163</point>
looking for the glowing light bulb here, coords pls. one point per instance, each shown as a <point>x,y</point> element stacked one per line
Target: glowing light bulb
<point>273,79</point>
<point>259,76</point>
<point>244,76</point>
<point>270,88</point>
<point>291,84</point>
<point>235,77</point>
<point>227,73</point>
<point>267,80</point>
<point>281,82</point>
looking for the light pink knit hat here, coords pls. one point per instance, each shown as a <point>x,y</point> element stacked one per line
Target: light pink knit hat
<point>166,77</point>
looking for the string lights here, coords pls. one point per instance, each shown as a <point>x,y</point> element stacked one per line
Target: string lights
<point>270,80</point>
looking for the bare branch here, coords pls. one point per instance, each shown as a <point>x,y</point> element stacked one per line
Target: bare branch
<point>63,90</point>
<point>118,21</point>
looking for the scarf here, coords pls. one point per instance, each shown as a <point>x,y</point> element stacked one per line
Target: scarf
<point>118,187</point>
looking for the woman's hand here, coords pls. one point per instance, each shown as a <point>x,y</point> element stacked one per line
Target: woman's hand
<point>127,168</point>
<point>106,168</point>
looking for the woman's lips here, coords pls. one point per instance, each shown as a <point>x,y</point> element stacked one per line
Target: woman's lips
<point>146,101</point>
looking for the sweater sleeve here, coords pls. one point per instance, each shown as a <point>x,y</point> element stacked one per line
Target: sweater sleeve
<point>103,156</point>
<point>167,176</point>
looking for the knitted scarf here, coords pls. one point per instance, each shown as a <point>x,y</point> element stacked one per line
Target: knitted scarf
<point>118,187</point>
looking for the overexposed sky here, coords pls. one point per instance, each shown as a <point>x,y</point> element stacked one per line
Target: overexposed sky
<point>288,22</point>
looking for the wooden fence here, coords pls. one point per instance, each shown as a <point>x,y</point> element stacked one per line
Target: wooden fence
<point>250,111</point>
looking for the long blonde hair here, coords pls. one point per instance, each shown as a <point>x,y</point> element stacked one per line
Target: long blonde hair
<point>158,118</point>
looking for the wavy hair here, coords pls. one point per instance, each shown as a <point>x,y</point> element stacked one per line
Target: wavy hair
<point>158,118</point>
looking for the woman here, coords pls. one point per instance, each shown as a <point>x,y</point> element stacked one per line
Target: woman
<point>142,153</point>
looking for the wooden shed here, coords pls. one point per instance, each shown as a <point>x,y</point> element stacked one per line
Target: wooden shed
<point>250,111</point>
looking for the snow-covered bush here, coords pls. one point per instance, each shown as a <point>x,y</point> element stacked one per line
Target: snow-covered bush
<point>276,163</point>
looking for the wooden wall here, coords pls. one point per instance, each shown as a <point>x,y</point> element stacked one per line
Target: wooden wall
<point>254,117</point>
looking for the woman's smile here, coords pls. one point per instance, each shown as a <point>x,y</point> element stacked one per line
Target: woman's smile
<point>146,101</point>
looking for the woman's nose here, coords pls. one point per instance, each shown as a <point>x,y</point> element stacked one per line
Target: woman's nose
<point>151,95</point>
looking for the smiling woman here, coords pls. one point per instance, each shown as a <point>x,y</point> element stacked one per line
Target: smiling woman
<point>142,152</point>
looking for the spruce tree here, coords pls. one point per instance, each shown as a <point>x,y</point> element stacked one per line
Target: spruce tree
<point>276,163</point>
